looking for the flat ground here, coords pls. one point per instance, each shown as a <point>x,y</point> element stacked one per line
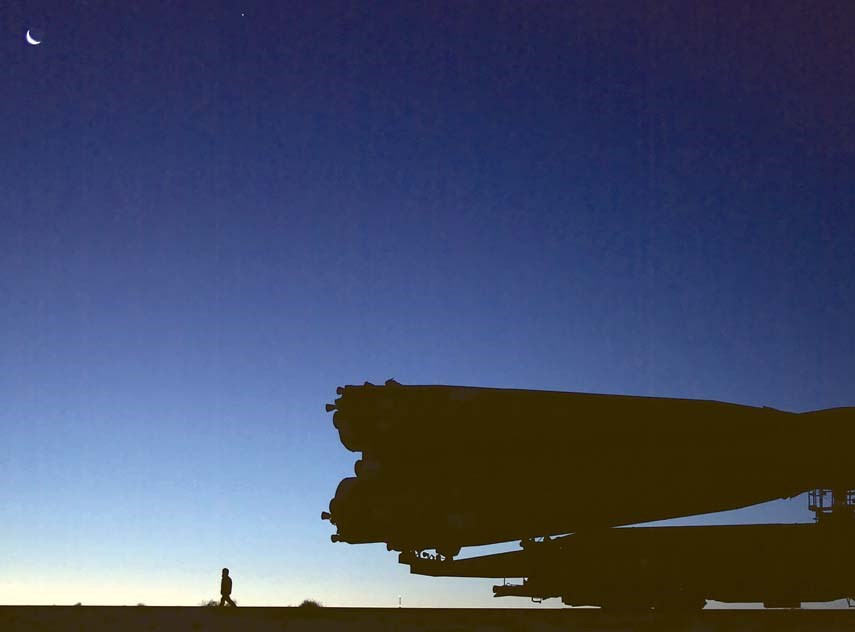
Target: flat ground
<point>151,619</point>
<point>193,619</point>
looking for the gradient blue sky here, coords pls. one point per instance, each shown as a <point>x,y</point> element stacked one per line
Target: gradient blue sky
<point>208,221</point>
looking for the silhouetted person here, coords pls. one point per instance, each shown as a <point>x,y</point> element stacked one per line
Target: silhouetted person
<point>226,589</point>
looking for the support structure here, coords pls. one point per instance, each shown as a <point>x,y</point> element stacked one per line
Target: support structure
<point>836,504</point>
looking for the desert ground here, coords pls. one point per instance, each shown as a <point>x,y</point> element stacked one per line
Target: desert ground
<point>193,619</point>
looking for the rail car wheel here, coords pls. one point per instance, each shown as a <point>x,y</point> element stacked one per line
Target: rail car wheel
<point>685,604</point>
<point>626,607</point>
<point>449,553</point>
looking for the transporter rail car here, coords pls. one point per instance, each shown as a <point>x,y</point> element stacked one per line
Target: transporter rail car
<point>448,467</point>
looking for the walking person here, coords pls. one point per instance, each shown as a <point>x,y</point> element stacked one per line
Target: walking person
<point>226,589</point>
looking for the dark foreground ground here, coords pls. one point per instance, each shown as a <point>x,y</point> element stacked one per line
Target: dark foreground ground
<point>150,619</point>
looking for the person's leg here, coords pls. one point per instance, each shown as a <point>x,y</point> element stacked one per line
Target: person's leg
<point>229,597</point>
<point>223,600</point>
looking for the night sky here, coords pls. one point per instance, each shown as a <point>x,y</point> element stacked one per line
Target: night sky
<point>213,214</point>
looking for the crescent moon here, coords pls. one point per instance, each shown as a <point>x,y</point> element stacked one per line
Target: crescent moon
<point>31,40</point>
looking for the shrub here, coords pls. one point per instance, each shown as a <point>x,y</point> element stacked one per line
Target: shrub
<point>310,603</point>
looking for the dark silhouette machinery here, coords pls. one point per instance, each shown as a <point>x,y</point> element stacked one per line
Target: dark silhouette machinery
<point>446,467</point>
